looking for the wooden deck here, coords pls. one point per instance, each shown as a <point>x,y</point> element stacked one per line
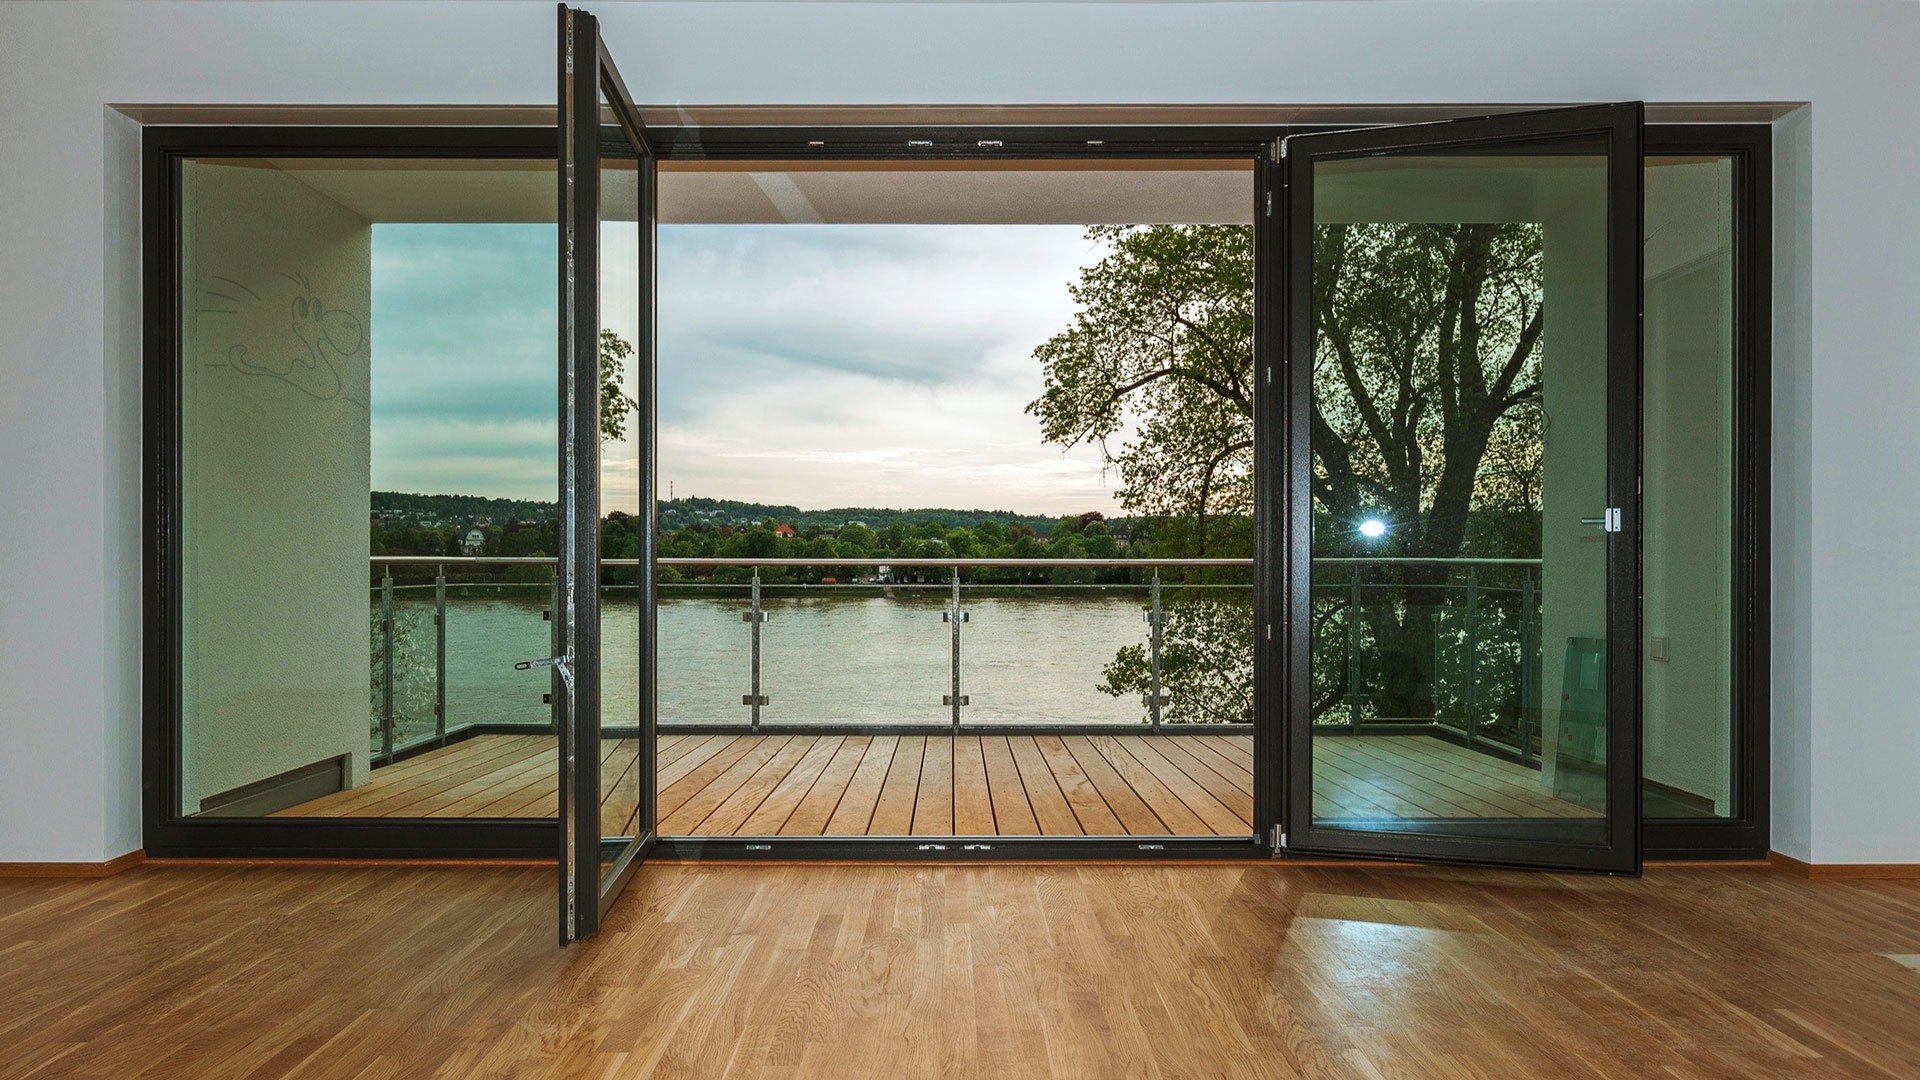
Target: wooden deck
<point>936,785</point>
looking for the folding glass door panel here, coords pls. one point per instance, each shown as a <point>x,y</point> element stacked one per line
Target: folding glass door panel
<point>605,654</point>
<point>1462,306</point>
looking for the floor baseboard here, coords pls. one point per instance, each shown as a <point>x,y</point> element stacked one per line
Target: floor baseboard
<point>1844,871</point>
<point>72,869</point>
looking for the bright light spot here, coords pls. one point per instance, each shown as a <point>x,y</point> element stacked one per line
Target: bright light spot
<point>1373,527</point>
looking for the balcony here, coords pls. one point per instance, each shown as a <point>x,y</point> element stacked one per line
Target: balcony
<point>954,697</point>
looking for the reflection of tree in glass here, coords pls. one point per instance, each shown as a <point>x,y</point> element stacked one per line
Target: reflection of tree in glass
<point>615,405</point>
<point>1427,381</point>
<point>1425,417</point>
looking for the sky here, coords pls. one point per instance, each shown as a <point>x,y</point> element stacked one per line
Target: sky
<point>813,365</point>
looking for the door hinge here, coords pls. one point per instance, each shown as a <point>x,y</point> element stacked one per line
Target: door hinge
<point>1269,204</point>
<point>1276,839</point>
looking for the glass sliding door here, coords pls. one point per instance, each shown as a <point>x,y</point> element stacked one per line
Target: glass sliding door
<point>604,657</point>
<point>1463,347</point>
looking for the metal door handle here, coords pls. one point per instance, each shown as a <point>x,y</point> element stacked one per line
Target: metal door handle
<point>562,664</point>
<point>1608,522</point>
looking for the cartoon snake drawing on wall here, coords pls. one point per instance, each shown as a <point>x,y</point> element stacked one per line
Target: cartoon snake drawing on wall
<point>302,355</point>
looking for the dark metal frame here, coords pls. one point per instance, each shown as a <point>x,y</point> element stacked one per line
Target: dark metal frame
<point>587,886</point>
<point>167,833</point>
<point>1743,834</point>
<point>1621,126</point>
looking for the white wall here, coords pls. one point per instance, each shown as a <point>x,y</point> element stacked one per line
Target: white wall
<point>1847,275</point>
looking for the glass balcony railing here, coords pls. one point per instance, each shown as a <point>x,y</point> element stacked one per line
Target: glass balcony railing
<point>1398,645</point>
<point>1078,644</point>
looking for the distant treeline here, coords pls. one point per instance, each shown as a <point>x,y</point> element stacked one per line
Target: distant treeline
<point>396,508</point>
<point>680,513</point>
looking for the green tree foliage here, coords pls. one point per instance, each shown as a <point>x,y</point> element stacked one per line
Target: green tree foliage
<point>1426,378</point>
<point>615,405</point>
<point>1162,350</point>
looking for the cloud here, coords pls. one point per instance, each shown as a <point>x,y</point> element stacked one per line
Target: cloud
<point>819,365</point>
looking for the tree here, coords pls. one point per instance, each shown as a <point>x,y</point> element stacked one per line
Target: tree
<point>1426,367</point>
<point>615,405</point>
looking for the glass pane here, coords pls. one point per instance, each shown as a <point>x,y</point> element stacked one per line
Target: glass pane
<point>1688,736</point>
<point>622,435</point>
<point>1459,475</point>
<point>367,398</point>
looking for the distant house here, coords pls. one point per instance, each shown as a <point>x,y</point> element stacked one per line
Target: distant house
<point>475,542</point>
<point>783,530</point>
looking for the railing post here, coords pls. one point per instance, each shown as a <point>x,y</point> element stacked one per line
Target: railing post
<point>1529,675</point>
<point>754,699</point>
<point>1353,652</point>
<point>1472,656</point>
<point>440,656</point>
<point>1154,619</point>
<point>386,664</point>
<point>955,616</point>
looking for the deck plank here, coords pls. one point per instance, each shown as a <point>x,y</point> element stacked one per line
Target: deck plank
<point>933,805</point>
<point>893,816</point>
<point>1012,811</point>
<point>1095,817</point>
<point>823,798</point>
<point>854,815</point>
<point>972,806</point>
<point>1135,816</point>
<point>733,811</point>
<point>780,803</point>
<point>687,818</point>
<point>1050,810</point>
<point>1178,818</point>
<point>937,785</point>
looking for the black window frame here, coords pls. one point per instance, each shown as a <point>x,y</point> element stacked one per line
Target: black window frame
<point>168,833</point>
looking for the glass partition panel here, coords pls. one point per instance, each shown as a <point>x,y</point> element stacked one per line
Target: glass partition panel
<point>1689,503</point>
<point>1460,437</point>
<point>367,399</point>
<point>624,278</point>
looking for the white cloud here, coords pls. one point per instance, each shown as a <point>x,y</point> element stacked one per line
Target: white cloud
<point>818,365</point>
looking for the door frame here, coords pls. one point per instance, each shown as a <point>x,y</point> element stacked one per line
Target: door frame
<point>170,834</point>
<point>587,884</point>
<point>1621,125</point>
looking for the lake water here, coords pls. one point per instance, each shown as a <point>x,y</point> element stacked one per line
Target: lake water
<point>868,658</point>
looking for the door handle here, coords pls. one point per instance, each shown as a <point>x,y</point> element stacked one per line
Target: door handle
<point>561,664</point>
<point>1608,522</point>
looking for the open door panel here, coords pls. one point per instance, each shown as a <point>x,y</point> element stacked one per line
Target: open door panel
<point>606,604</point>
<point>1462,349</point>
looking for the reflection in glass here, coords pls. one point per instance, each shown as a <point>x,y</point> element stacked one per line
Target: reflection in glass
<point>1459,461</point>
<point>622,364</point>
<point>1689,475</point>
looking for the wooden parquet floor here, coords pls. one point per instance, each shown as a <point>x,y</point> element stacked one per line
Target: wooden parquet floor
<point>992,972</point>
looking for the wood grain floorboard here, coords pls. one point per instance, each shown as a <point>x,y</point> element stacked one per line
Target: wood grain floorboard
<point>989,972</point>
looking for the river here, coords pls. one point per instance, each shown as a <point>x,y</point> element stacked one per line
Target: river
<point>868,658</point>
